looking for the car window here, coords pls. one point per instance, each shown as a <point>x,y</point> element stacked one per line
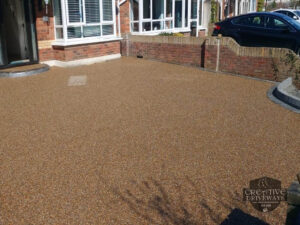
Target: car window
<point>290,14</point>
<point>281,11</point>
<point>257,21</point>
<point>241,21</point>
<point>292,22</point>
<point>297,12</point>
<point>254,21</point>
<point>275,23</point>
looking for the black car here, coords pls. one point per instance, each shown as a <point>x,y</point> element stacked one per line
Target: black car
<point>262,30</point>
<point>295,14</point>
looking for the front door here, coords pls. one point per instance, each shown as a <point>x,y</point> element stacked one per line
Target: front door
<point>17,33</point>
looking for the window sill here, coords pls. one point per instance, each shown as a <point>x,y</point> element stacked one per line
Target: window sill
<point>83,41</point>
<point>161,31</point>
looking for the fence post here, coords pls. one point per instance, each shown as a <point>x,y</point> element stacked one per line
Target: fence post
<point>127,44</point>
<point>218,54</point>
<point>293,200</point>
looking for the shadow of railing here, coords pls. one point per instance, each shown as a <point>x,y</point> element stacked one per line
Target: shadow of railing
<point>238,217</point>
<point>151,201</point>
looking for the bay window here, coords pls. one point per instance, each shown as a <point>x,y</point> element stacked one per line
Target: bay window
<point>154,16</point>
<point>80,20</point>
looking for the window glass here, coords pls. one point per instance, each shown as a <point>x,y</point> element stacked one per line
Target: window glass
<point>91,31</point>
<point>297,12</point>
<point>290,14</point>
<point>161,14</point>
<point>134,27</point>
<point>146,10</point>
<point>84,18</point>
<point>74,32</point>
<point>59,33</point>
<point>194,9</point>
<point>253,5</point>
<point>134,10</point>
<point>169,24</point>
<point>92,12</point>
<point>178,13</point>
<point>200,12</point>
<point>295,24</point>
<point>158,25</point>
<point>75,11</point>
<point>107,29</point>
<point>146,26</point>
<point>254,21</point>
<point>186,13</point>
<point>107,10</point>
<point>157,9</point>
<point>274,23</point>
<point>281,12</point>
<point>193,24</point>
<point>57,12</point>
<point>257,21</point>
<point>241,21</point>
<point>169,10</point>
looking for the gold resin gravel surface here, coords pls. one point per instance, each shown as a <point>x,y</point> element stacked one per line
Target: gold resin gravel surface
<point>141,142</point>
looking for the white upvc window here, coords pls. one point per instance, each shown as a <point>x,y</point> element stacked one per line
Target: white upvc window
<point>84,20</point>
<point>155,16</point>
<point>197,14</point>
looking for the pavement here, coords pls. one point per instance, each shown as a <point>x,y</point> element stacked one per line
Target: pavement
<point>132,141</point>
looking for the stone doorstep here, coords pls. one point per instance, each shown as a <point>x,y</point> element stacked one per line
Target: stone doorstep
<point>22,71</point>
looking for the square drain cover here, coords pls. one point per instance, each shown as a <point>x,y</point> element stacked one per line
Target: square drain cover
<point>77,80</point>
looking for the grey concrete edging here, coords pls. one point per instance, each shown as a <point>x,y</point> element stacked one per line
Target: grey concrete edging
<point>24,73</point>
<point>282,99</point>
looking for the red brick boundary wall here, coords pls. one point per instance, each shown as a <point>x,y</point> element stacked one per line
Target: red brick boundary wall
<point>217,54</point>
<point>179,50</point>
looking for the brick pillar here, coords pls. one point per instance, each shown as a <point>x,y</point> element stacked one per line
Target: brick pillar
<point>125,18</point>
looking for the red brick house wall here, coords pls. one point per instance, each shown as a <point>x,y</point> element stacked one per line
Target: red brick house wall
<point>45,36</point>
<point>125,17</point>
<point>45,30</point>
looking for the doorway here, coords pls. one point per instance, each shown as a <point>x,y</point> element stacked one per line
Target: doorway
<point>17,33</point>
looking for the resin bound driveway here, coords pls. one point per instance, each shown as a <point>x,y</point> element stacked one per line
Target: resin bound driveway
<point>141,142</point>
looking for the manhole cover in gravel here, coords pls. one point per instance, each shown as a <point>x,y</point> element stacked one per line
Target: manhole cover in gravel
<point>77,80</point>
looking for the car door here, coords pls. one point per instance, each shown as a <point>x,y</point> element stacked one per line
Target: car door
<point>279,33</point>
<point>252,33</point>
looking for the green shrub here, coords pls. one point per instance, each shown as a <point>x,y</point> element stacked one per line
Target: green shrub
<point>260,5</point>
<point>213,11</point>
<point>171,34</point>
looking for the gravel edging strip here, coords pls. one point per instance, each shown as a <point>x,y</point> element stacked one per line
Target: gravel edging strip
<point>24,73</point>
<point>275,97</point>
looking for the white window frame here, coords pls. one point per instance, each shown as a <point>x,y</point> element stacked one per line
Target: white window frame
<point>174,29</point>
<point>202,14</point>
<point>65,41</point>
